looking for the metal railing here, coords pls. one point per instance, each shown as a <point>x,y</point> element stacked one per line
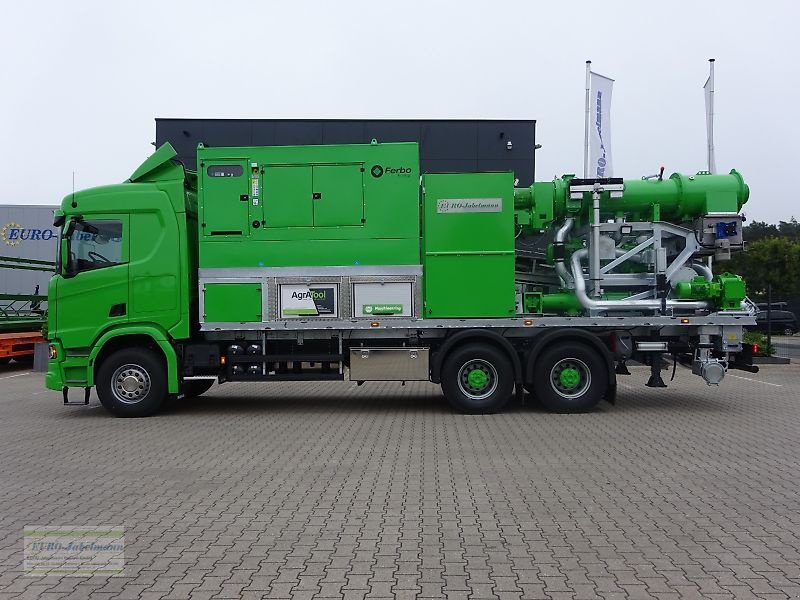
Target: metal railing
<point>24,312</point>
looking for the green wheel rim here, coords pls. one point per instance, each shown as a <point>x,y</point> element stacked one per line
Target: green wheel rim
<point>477,379</point>
<point>570,378</point>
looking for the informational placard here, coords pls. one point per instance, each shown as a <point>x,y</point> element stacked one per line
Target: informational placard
<point>468,205</point>
<point>377,299</point>
<point>313,300</point>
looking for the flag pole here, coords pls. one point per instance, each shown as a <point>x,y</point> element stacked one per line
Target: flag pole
<point>586,124</point>
<point>711,163</point>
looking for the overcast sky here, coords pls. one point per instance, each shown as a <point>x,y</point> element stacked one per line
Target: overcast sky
<point>83,81</point>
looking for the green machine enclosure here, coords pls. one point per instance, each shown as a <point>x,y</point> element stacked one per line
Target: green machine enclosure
<point>290,206</point>
<point>468,245</point>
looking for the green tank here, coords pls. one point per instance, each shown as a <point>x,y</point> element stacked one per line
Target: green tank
<point>678,199</point>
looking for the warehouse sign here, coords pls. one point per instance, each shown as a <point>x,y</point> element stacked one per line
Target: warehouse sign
<point>13,234</point>
<point>469,205</point>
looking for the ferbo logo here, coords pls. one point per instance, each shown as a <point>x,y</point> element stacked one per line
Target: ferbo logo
<point>13,234</point>
<point>378,171</point>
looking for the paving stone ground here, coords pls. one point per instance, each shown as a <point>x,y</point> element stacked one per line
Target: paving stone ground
<point>336,491</point>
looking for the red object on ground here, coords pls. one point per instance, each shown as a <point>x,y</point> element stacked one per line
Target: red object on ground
<point>19,344</point>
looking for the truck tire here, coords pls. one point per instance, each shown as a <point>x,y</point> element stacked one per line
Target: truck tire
<point>196,387</point>
<point>132,383</point>
<point>570,377</point>
<point>477,379</point>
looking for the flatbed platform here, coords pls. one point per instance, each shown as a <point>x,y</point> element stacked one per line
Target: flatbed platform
<point>18,344</point>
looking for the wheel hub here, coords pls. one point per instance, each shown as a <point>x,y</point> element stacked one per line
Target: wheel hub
<point>130,383</point>
<point>477,379</point>
<point>570,378</point>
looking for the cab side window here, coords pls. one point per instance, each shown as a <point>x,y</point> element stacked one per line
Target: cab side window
<point>94,244</point>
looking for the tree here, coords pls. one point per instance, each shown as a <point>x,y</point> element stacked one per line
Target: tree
<point>759,230</point>
<point>775,261</point>
<point>789,230</point>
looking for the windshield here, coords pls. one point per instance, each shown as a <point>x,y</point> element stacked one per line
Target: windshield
<point>94,245</point>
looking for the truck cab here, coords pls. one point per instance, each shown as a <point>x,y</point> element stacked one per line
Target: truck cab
<point>124,280</point>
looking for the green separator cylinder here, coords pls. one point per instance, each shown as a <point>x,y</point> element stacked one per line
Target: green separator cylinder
<point>562,303</point>
<point>678,199</point>
<point>726,291</point>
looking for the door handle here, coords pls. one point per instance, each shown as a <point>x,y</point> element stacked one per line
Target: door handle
<point>244,198</point>
<point>118,310</point>
<point>316,196</point>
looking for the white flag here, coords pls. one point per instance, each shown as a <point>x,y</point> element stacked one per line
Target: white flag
<point>708,89</point>
<point>600,127</point>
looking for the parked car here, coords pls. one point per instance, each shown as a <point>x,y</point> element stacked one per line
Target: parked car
<point>775,305</point>
<point>783,321</point>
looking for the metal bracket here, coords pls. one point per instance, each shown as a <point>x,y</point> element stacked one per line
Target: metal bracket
<point>65,392</point>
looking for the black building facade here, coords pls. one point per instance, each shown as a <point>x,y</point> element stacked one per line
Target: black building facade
<point>445,145</point>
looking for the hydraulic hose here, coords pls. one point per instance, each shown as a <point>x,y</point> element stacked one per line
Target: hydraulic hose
<point>703,270</point>
<point>561,268</point>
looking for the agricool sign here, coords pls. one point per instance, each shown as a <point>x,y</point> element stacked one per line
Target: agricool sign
<point>309,301</point>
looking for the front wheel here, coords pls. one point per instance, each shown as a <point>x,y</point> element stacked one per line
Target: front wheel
<point>132,383</point>
<point>570,377</point>
<point>477,379</point>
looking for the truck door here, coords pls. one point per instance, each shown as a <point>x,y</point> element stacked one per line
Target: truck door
<point>93,287</point>
<point>224,198</point>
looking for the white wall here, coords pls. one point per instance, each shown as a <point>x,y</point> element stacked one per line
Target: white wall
<point>26,232</point>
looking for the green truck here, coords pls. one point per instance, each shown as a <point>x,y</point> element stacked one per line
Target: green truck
<point>344,262</point>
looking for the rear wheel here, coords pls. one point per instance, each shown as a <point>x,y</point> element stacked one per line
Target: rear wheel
<point>132,383</point>
<point>570,377</point>
<point>477,379</point>
<point>196,387</point>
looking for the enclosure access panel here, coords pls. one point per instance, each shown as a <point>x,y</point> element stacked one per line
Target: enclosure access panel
<point>468,245</point>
